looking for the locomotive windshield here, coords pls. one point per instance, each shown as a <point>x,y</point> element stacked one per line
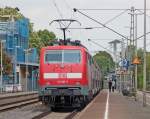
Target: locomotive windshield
<point>53,56</point>
<point>63,56</point>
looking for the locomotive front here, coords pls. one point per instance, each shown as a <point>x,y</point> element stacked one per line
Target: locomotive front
<point>63,76</point>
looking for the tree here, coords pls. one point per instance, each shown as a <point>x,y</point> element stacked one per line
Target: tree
<point>105,61</point>
<point>140,69</point>
<point>35,41</point>
<point>41,38</point>
<point>46,36</point>
<point>7,12</point>
<point>7,65</point>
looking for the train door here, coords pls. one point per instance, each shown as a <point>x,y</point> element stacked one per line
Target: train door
<point>89,71</point>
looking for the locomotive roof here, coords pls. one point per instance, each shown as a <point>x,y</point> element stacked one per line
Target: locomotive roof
<point>65,47</point>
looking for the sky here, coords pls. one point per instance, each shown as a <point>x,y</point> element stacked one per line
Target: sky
<point>42,12</point>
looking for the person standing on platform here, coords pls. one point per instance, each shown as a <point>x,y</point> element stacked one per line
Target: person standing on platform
<point>113,85</point>
<point>110,85</point>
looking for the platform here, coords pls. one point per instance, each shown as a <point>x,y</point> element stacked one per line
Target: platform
<point>114,106</point>
<point>7,95</point>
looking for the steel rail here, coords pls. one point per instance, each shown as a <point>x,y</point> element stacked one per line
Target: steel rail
<point>42,115</point>
<point>72,114</point>
<point>17,105</point>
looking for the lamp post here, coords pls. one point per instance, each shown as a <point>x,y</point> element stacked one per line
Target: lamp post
<point>144,66</point>
<point>26,62</point>
<point>1,81</point>
<point>26,74</point>
<point>136,54</point>
<point>15,65</point>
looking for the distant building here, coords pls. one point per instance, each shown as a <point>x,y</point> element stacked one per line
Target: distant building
<point>15,37</point>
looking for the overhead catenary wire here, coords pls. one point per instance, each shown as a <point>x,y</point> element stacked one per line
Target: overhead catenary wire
<point>59,13</point>
<point>66,3</point>
<point>76,10</point>
<point>143,13</point>
<point>118,15</point>
<point>101,46</point>
<point>102,9</point>
<point>112,19</point>
<point>55,4</point>
<point>70,8</point>
<point>72,13</point>
<point>63,24</point>
<point>86,28</point>
<point>142,36</point>
<point>106,9</point>
<point>106,39</point>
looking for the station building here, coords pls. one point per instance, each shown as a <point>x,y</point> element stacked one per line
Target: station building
<point>14,38</point>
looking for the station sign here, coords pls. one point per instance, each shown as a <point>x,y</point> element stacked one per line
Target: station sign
<point>124,63</point>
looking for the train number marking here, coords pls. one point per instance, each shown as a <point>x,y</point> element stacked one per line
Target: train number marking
<point>62,75</point>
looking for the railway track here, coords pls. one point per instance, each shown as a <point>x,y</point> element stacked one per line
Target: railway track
<point>11,101</point>
<point>56,115</point>
<point>70,116</point>
<point>12,98</point>
<point>13,105</point>
<point>40,116</point>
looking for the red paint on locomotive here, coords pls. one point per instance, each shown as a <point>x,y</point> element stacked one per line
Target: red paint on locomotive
<point>68,69</point>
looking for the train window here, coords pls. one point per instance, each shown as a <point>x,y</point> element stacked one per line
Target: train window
<point>92,61</point>
<point>89,59</point>
<point>53,57</point>
<point>72,56</point>
<point>60,56</point>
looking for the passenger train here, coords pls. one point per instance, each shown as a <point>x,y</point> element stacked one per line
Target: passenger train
<point>68,75</point>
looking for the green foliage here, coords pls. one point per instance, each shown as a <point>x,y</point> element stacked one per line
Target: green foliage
<point>148,70</point>
<point>140,76</point>
<point>105,61</point>
<point>140,69</point>
<point>35,41</point>
<point>7,12</point>
<point>46,36</point>
<point>7,65</point>
<point>140,54</point>
<point>41,38</point>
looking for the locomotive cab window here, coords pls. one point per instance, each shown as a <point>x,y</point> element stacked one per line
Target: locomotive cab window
<point>63,56</point>
<point>72,56</point>
<point>53,57</point>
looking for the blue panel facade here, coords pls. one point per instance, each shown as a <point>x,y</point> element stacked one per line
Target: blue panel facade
<point>32,55</point>
<point>20,55</point>
<point>16,35</point>
<point>16,44</point>
<point>9,42</point>
<point>23,27</point>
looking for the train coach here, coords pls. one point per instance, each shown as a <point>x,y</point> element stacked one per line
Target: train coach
<point>68,76</point>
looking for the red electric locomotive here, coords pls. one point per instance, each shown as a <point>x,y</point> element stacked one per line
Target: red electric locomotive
<point>68,76</point>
